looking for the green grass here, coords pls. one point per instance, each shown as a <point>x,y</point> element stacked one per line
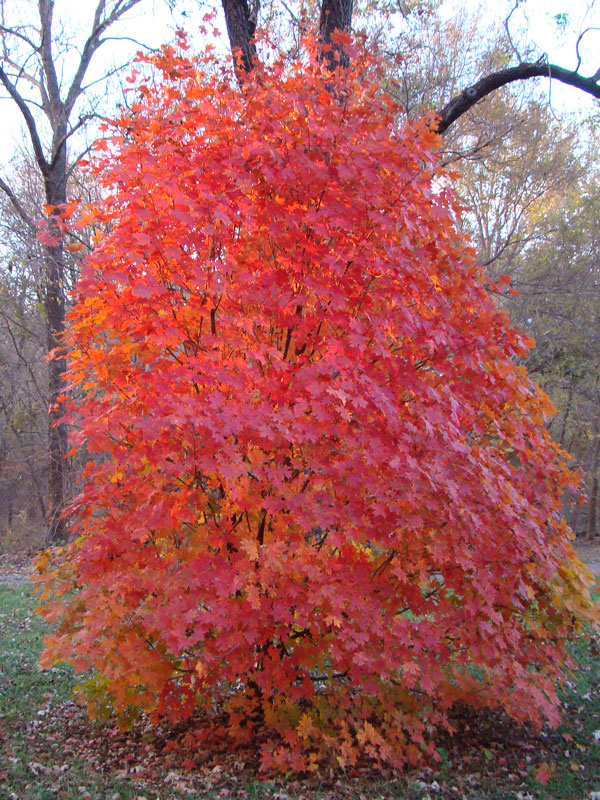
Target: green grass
<point>49,749</point>
<point>35,761</point>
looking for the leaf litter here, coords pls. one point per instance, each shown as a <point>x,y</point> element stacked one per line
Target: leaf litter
<point>49,747</point>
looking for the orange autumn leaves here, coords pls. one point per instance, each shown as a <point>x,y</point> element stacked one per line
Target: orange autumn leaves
<point>319,489</point>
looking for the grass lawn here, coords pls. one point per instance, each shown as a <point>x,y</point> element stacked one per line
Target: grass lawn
<point>48,748</point>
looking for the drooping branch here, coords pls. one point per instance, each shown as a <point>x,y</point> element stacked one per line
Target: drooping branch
<point>579,38</point>
<point>463,102</point>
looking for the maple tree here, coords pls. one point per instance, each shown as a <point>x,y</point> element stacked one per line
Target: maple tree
<point>320,494</point>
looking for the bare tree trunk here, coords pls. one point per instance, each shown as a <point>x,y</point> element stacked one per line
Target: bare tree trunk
<point>40,67</point>
<point>240,19</point>
<point>563,429</point>
<point>57,434</point>
<point>593,490</point>
<point>55,185</point>
<point>336,15</point>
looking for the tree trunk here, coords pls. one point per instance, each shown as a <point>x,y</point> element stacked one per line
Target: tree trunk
<point>336,15</point>
<point>240,18</point>
<point>54,308</point>
<point>593,491</point>
<point>58,97</point>
<point>563,430</point>
<point>241,24</point>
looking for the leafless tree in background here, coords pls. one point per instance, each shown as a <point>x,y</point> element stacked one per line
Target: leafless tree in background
<point>34,74</point>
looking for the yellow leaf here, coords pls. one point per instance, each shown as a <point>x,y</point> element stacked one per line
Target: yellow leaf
<point>305,726</point>
<point>200,669</point>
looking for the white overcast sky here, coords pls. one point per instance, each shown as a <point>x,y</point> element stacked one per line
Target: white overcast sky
<point>152,23</point>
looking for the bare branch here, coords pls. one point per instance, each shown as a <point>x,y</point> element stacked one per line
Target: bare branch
<point>401,9</point>
<point>29,121</point>
<point>78,158</point>
<point>16,33</point>
<point>579,38</point>
<point>46,10</point>
<point>109,73</point>
<point>508,33</point>
<point>61,142</point>
<point>293,16</point>
<point>93,42</point>
<point>22,73</point>
<point>129,39</point>
<point>460,104</point>
<point>16,204</point>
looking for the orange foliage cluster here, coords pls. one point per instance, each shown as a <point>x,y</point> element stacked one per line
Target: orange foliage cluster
<point>320,493</point>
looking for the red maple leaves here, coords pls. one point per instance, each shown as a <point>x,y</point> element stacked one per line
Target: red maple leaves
<point>319,491</point>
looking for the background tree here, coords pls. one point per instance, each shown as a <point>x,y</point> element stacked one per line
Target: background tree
<point>559,302</point>
<point>24,386</point>
<point>45,75</point>
<point>23,406</point>
<point>337,15</point>
<point>520,165</point>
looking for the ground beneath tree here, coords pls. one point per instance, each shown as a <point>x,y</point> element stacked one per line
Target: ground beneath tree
<point>489,757</point>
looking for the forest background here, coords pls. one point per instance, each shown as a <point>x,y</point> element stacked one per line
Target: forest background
<point>526,156</point>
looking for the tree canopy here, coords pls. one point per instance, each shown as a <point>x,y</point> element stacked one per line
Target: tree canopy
<point>320,493</point>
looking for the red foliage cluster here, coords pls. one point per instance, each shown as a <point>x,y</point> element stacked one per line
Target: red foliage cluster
<point>320,492</point>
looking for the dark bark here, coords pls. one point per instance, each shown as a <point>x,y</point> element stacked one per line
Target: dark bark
<point>54,306</point>
<point>241,24</point>
<point>240,18</point>
<point>460,104</point>
<point>336,15</point>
